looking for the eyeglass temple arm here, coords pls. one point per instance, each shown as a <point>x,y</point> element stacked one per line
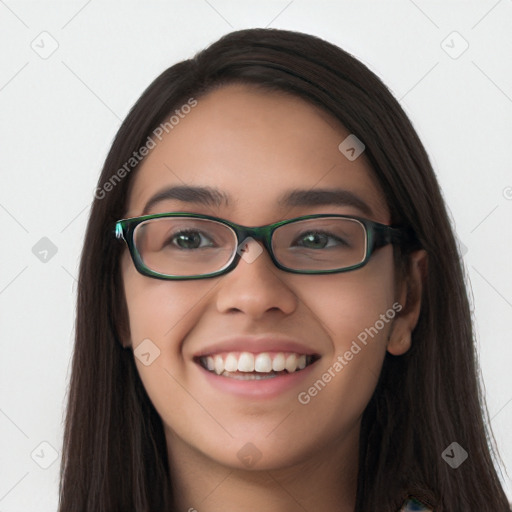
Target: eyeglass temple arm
<point>118,232</point>
<point>384,235</point>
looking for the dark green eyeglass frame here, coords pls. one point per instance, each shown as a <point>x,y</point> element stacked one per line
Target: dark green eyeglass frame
<point>377,235</point>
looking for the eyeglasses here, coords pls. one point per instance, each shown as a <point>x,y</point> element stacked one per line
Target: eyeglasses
<point>181,245</point>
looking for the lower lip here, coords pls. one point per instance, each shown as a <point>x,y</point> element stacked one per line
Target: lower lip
<point>264,388</point>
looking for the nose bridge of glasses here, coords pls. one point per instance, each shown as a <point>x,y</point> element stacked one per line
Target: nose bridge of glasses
<point>256,234</point>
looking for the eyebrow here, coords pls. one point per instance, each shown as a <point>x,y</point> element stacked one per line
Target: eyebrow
<point>216,198</point>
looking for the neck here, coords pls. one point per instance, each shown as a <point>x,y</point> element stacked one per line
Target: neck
<point>324,481</point>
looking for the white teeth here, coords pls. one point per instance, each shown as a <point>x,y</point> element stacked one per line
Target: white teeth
<point>263,363</point>
<point>219,365</point>
<point>246,362</point>
<point>278,363</point>
<point>231,364</point>
<point>291,363</point>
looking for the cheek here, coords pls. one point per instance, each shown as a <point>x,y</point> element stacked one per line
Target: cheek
<point>160,315</point>
<point>157,309</point>
<point>351,303</point>
<point>356,311</point>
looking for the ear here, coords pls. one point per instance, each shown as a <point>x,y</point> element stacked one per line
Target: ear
<point>121,321</point>
<point>409,297</point>
<point>121,317</point>
<point>124,337</point>
<point>126,343</point>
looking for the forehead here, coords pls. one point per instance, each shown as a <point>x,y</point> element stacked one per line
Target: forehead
<point>253,146</point>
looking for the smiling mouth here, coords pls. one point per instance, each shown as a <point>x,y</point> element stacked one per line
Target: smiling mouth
<point>249,366</point>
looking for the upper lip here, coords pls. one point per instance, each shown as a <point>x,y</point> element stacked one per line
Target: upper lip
<point>266,343</point>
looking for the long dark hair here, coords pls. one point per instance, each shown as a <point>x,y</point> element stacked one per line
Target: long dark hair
<point>114,455</point>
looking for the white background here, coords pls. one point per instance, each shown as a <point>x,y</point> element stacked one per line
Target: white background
<point>59,115</point>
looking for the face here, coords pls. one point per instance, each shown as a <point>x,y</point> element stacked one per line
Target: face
<point>254,147</point>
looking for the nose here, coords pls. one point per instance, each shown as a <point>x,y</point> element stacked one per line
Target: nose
<point>256,285</point>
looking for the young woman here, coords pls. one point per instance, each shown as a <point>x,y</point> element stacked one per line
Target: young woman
<point>271,308</point>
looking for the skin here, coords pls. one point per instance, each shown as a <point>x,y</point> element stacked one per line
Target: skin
<point>255,145</point>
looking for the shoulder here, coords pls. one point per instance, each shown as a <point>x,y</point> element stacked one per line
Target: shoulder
<point>413,505</point>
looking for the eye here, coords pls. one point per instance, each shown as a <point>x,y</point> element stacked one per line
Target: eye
<point>190,238</point>
<point>320,239</point>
